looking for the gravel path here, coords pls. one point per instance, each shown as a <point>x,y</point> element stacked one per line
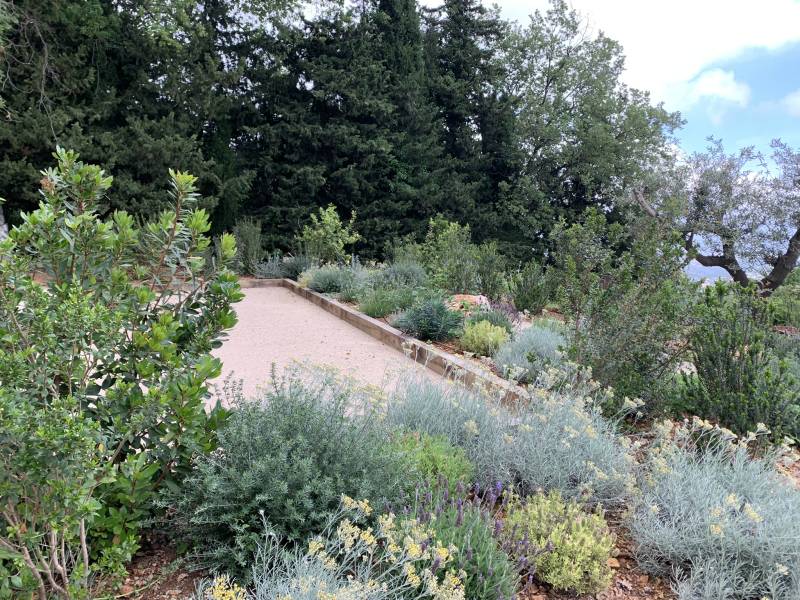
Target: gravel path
<point>278,327</point>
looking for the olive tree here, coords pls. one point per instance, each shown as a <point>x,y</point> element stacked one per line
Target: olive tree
<point>733,212</point>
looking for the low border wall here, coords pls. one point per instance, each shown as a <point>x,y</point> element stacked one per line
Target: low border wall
<point>439,361</point>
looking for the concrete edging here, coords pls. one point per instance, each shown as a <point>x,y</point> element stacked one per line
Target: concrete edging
<point>439,361</point>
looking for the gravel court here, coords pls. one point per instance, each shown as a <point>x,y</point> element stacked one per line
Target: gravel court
<point>277,327</point>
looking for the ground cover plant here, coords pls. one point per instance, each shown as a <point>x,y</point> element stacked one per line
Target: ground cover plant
<point>482,337</point>
<point>723,522</point>
<point>557,441</point>
<point>106,333</point>
<point>563,545</point>
<point>284,460</point>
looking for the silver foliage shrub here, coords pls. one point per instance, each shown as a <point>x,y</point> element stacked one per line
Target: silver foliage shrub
<point>727,525</point>
<point>557,439</point>
<point>530,351</point>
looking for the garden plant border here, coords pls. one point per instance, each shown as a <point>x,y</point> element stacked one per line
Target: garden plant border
<point>440,362</point>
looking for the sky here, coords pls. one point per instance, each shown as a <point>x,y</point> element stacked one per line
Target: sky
<point>731,67</point>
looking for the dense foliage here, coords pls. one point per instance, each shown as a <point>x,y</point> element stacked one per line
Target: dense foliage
<point>106,333</point>
<point>283,462</point>
<point>386,110</point>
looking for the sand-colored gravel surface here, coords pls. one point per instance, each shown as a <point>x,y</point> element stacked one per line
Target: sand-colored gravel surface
<point>278,327</point>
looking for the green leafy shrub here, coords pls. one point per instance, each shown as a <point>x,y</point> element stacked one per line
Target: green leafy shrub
<point>430,320</point>
<point>533,350</point>
<point>285,458</point>
<point>295,264</point>
<point>532,288</point>
<point>122,325</point>
<point>557,440</point>
<point>724,522</point>
<point>490,270</point>
<point>434,458</point>
<point>483,338</point>
<point>381,302</point>
<point>330,279</point>
<point>739,380</point>
<point>51,459</point>
<point>326,238</point>
<point>250,245</point>
<point>578,544</point>
<point>627,302</point>
<point>455,264</point>
<point>495,317</point>
<point>466,524</point>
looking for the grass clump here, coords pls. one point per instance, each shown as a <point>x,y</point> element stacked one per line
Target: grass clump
<point>284,460</point>
<point>380,302</point>
<point>724,522</point>
<point>483,338</point>
<point>559,543</point>
<point>531,351</point>
<point>430,320</point>
<point>434,458</point>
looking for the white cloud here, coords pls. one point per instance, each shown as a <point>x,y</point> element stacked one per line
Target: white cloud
<point>714,84</point>
<point>670,44</point>
<point>791,103</point>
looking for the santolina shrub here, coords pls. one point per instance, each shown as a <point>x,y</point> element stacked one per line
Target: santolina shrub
<point>285,458</point>
<point>726,523</point>
<point>556,439</point>
<point>434,458</point>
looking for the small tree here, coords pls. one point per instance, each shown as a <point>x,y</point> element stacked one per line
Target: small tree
<point>626,298</point>
<point>105,329</point>
<point>326,237</point>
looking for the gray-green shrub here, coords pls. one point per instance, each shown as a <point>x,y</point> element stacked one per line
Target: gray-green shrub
<point>331,279</point>
<point>556,440</point>
<point>271,268</point>
<point>401,274</point>
<point>731,521</point>
<point>286,458</point>
<point>430,319</point>
<point>531,351</point>
<point>295,264</point>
